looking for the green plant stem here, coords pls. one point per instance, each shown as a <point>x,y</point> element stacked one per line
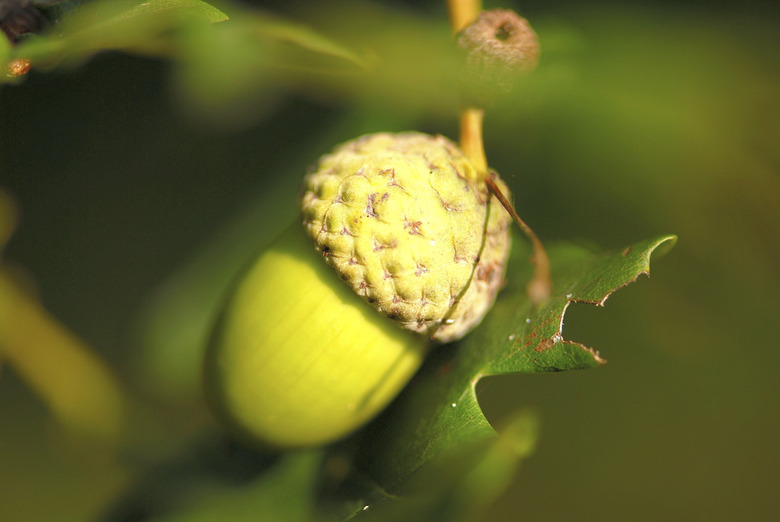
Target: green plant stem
<point>78,387</point>
<point>471,138</point>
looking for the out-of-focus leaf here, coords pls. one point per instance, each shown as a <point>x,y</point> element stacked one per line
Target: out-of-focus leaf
<point>413,65</point>
<point>132,26</point>
<point>285,493</point>
<point>439,408</point>
<point>274,28</point>
<point>459,484</point>
<point>215,479</point>
<point>233,73</point>
<point>7,74</point>
<point>5,50</point>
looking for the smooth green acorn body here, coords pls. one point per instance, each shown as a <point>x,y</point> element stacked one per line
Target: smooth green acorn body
<point>298,359</point>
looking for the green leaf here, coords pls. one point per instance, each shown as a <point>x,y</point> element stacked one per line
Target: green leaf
<point>439,409</point>
<point>459,483</point>
<point>140,27</point>
<point>433,455</point>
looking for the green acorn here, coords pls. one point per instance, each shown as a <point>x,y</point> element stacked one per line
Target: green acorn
<point>300,358</point>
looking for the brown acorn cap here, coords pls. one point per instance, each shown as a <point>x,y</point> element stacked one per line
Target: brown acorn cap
<point>498,47</point>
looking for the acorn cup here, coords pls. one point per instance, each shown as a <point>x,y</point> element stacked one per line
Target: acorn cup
<point>498,48</point>
<point>412,252</point>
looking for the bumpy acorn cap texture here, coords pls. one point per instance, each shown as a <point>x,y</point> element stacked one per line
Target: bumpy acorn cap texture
<point>406,221</point>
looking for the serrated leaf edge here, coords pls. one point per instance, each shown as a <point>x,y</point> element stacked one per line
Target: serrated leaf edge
<point>663,242</point>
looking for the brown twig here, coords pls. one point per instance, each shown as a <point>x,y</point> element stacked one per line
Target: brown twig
<point>540,286</point>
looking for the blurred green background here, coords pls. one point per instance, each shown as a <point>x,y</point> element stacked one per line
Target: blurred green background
<point>644,118</point>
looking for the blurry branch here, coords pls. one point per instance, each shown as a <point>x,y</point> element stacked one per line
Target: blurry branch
<point>77,386</point>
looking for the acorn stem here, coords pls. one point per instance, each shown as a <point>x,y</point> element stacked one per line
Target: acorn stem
<point>471,142</point>
<point>462,13</point>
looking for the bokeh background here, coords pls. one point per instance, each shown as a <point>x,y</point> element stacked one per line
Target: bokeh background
<point>646,118</point>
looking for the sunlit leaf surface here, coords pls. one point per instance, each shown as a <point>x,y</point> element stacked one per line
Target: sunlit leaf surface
<point>440,407</point>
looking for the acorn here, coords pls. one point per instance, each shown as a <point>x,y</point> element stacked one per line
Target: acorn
<point>497,48</point>
<point>401,247</point>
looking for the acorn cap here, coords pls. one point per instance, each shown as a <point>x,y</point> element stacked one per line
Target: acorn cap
<point>408,223</point>
<point>497,48</point>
